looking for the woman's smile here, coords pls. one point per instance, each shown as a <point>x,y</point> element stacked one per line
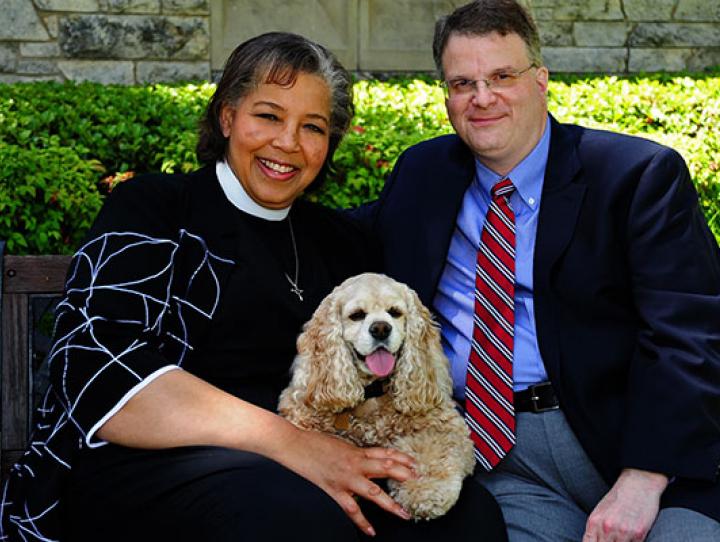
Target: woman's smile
<point>278,138</point>
<point>276,167</point>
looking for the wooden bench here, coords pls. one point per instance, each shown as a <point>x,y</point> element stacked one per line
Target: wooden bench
<point>29,286</point>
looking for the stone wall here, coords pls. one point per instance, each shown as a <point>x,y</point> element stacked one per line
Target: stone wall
<point>138,41</point>
<point>110,41</point>
<point>629,35</point>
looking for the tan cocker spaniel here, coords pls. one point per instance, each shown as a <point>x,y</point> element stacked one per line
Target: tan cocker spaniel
<point>373,332</point>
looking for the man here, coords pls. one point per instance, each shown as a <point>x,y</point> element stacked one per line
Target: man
<point>572,267</point>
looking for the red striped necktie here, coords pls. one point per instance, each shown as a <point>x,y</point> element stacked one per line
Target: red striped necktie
<point>489,407</point>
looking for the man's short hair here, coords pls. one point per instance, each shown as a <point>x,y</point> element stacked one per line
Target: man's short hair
<point>483,17</point>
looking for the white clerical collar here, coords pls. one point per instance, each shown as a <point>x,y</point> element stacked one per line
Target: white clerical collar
<point>236,194</point>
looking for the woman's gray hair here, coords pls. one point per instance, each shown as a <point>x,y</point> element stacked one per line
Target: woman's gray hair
<point>277,58</point>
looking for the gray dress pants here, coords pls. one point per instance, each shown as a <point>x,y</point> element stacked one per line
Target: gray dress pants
<point>547,487</point>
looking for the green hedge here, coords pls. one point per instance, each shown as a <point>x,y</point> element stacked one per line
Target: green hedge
<point>125,128</point>
<point>48,198</point>
<point>60,144</point>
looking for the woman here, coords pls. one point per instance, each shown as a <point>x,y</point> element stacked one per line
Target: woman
<point>178,329</point>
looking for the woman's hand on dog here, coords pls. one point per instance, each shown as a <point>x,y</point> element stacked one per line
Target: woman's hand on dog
<point>345,471</point>
<point>179,409</point>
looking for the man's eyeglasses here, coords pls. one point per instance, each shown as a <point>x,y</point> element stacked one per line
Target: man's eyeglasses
<point>461,87</point>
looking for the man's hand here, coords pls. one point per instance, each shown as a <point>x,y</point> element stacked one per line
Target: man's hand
<point>629,509</point>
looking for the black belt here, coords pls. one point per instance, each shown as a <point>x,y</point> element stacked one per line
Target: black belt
<point>537,398</point>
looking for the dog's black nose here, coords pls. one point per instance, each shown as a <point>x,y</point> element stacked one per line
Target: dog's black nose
<point>380,330</point>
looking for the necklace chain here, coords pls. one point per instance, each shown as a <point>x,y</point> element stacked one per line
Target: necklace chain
<point>294,286</point>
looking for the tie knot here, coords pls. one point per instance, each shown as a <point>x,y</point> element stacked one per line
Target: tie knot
<point>502,188</point>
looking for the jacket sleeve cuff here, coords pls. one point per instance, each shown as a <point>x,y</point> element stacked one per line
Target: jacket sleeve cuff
<point>90,439</point>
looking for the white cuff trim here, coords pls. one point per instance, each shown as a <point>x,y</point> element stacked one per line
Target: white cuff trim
<point>121,403</point>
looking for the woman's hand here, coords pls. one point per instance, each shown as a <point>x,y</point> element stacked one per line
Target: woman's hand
<point>345,471</point>
<point>179,409</point>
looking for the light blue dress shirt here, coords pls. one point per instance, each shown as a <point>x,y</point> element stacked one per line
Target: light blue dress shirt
<point>454,301</point>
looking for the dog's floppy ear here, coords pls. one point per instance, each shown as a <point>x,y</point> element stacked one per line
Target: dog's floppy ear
<point>324,365</point>
<point>422,379</point>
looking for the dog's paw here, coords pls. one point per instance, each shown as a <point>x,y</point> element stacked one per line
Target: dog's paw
<point>426,498</point>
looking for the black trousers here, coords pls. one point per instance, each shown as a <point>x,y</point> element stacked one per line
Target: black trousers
<point>214,494</point>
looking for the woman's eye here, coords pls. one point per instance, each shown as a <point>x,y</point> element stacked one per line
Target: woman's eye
<point>267,116</point>
<point>357,316</point>
<point>315,128</point>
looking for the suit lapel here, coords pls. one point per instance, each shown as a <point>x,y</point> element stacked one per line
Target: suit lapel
<point>561,200</point>
<point>559,210</point>
<point>441,205</point>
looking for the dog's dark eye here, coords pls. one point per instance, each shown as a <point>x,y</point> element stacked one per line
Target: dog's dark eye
<point>357,315</point>
<point>395,312</point>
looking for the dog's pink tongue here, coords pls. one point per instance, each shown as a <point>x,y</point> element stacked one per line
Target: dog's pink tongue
<point>380,362</point>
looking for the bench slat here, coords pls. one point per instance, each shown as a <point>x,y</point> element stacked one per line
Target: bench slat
<point>34,274</point>
<point>22,278</point>
<point>15,377</point>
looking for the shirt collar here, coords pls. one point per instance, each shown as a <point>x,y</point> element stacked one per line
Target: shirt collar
<point>527,176</point>
<point>236,194</point>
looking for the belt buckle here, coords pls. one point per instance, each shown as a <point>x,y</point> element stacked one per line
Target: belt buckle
<point>534,398</point>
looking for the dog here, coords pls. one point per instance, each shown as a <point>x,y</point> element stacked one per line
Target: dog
<point>373,332</point>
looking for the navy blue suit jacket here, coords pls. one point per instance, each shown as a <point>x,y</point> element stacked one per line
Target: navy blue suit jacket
<point>626,290</point>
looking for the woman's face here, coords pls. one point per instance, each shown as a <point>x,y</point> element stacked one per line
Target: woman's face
<point>278,138</point>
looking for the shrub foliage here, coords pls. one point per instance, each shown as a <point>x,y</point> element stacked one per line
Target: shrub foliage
<point>48,198</point>
<point>59,142</point>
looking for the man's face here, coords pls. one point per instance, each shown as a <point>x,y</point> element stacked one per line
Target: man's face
<point>500,125</point>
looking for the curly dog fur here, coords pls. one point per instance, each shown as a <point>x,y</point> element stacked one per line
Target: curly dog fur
<point>373,328</point>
